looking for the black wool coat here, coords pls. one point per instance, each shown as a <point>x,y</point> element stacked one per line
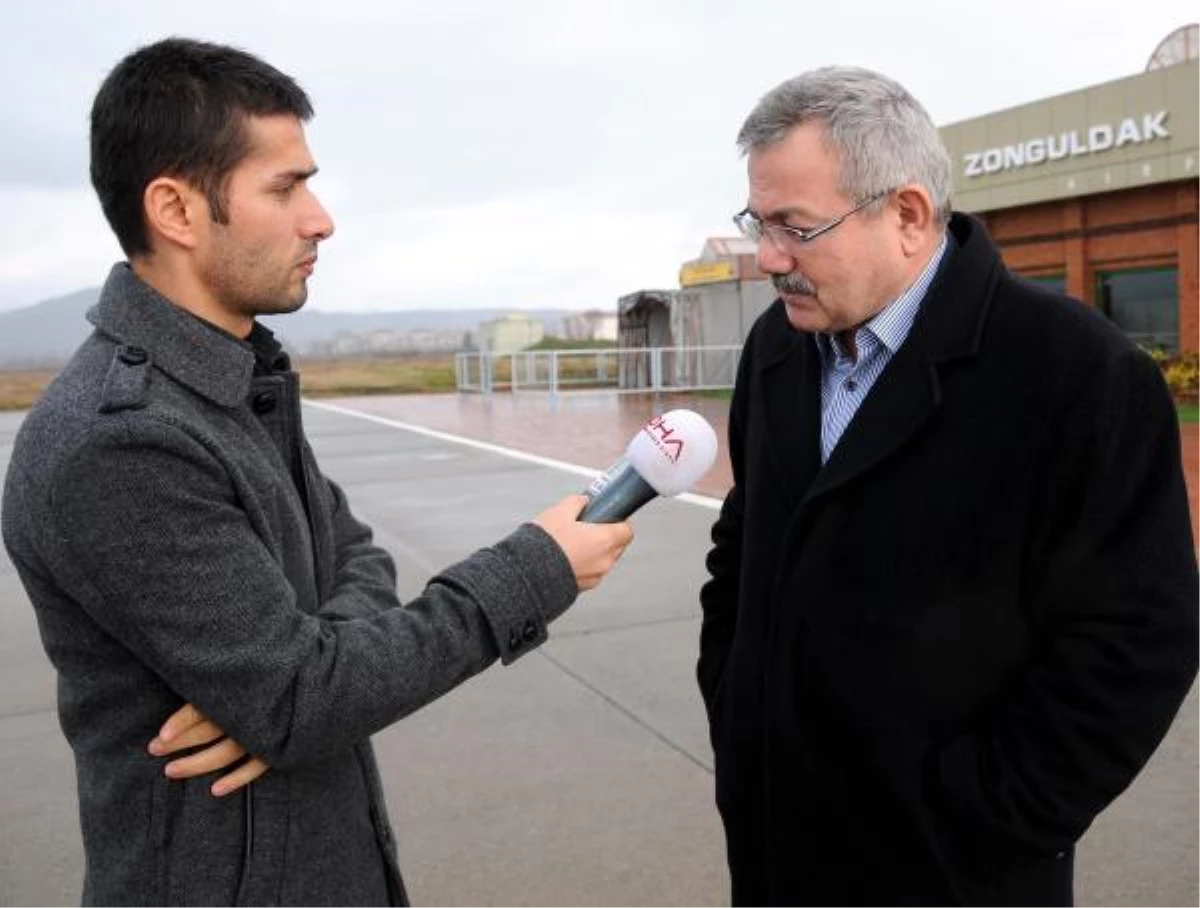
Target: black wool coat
<point>930,663</point>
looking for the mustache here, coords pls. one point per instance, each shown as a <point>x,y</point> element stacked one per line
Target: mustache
<point>793,283</point>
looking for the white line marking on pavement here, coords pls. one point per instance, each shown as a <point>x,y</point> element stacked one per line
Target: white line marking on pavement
<point>703,501</point>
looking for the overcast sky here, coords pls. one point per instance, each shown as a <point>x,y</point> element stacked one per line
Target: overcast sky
<point>518,153</point>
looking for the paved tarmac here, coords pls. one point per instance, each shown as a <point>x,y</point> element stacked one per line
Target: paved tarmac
<point>581,775</point>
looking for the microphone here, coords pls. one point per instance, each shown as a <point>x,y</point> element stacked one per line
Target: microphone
<point>667,456</point>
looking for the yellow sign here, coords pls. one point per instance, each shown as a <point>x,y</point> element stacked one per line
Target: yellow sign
<point>694,273</point>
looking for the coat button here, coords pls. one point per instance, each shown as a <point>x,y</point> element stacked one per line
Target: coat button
<point>132,356</point>
<point>530,632</point>
<point>264,402</point>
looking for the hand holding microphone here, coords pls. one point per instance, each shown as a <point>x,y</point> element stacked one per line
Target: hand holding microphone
<point>592,549</point>
<point>667,456</point>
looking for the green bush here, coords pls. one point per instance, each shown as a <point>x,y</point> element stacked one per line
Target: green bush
<point>1182,373</point>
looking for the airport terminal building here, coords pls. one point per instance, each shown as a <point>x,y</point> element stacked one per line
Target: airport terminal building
<point>1093,192</point>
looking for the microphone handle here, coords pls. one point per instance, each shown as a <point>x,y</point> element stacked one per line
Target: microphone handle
<point>616,494</point>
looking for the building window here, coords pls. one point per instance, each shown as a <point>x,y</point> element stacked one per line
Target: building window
<point>1145,304</point>
<point>1054,282</point>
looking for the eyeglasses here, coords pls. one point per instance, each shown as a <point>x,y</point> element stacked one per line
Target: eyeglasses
<point>752,227</point>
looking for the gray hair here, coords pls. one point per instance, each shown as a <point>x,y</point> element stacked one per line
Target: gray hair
<point>881,134</point>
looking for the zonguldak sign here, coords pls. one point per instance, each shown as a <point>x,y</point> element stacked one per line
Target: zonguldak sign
<point>1076,142</point>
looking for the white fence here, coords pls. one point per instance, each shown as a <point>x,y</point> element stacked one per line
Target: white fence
<point>607,369</point>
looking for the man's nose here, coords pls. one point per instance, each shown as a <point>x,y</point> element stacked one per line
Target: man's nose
<point>771,259</point>
<point>318,224</point>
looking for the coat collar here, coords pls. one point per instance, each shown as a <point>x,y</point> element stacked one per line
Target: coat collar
<point>952,318</point>
<point>201,356</point>
<point>949,326</point>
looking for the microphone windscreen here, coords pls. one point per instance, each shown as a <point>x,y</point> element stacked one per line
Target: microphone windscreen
<point>672,451</point>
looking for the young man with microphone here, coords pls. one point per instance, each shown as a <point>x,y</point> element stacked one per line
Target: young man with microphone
<point>180,545</point>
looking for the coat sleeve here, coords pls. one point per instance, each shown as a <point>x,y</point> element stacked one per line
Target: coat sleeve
<point>365,575</point>
<point>1113,585</point>
<point>146,531</point>
<point>719,594</point>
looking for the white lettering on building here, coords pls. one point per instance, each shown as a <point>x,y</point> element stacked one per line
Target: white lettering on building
<point>1101,137</point>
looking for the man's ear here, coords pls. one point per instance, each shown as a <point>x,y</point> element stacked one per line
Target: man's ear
<point>915,210</point>
<point>174,211</point>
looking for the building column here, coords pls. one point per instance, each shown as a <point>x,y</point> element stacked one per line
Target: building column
<point>1078,272</point>
<point>1187,241</point>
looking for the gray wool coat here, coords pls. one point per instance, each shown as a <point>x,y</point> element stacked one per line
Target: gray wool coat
<point>178,542</point>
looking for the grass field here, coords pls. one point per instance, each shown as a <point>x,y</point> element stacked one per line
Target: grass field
<point>18,390</point>
<point>318,378</point>
<point>382,375</point>
<point>335,378</point>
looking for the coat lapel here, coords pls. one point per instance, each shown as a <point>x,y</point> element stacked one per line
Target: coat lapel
<point>791,383</point>
<point>901,401</point>
<point>907,394</point>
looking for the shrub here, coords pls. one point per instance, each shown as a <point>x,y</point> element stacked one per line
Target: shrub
<point>1181,373</point>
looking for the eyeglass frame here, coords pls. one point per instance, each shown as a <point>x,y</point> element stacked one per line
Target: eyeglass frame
<point>766,228</point>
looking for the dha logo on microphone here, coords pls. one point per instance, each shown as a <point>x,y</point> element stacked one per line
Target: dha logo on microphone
<point>599,484</point>
<point>664,438</point>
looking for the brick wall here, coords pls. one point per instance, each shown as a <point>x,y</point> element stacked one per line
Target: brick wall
<point>1154,226</point>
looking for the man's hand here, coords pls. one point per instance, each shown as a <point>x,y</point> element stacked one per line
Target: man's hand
<point>188,728</point>
<point>592,548</point>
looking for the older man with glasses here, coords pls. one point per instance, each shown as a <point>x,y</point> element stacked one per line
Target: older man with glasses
<point>952,606</point>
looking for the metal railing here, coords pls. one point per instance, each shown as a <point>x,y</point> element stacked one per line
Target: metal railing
<point>604,369</point>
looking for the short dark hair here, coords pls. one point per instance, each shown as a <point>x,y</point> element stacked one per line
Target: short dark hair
<point>178,107</point>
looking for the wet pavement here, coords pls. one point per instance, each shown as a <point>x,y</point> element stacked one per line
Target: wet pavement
<point>592,429</point>
<point>582,773</point>
<point>589,429</point>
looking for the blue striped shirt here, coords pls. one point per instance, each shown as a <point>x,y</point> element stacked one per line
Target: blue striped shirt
<point>845,382</point>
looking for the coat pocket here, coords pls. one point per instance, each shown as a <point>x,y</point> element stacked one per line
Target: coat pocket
<point>265,824</point>
<point>164,812</point>
<point>210,851</point>
<point>1046,880</point>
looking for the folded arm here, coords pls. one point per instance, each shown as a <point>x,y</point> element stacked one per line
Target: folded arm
<point>209,610</point>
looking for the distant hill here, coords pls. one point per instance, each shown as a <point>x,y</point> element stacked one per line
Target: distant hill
<point>46,333</point>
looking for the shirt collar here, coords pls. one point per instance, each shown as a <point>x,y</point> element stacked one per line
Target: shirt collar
<point>202,356</point>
